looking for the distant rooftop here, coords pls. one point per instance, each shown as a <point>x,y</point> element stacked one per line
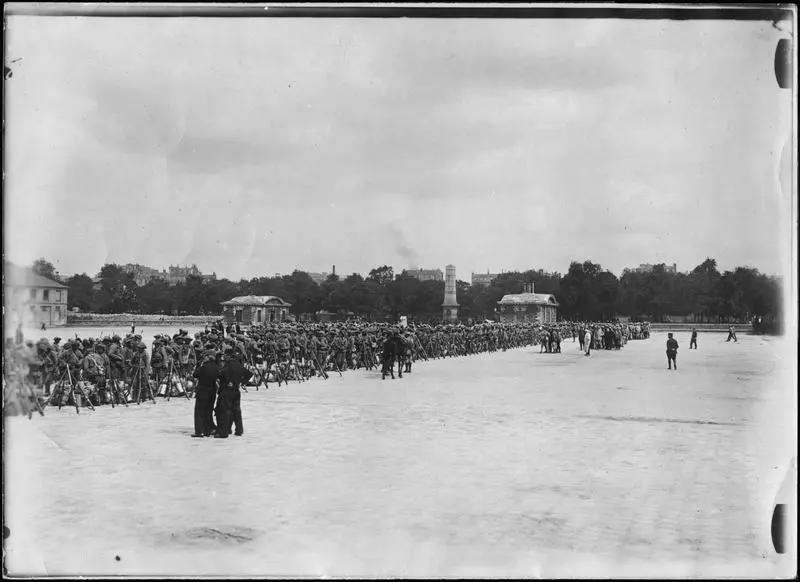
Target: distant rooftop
<point>256,300</point>
<point>16,276</point>
<point>528,299</point>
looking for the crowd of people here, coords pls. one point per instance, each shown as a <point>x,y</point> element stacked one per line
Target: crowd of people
<point>118,371</point>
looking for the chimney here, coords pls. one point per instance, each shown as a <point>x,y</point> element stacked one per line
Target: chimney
<point>334,269</point>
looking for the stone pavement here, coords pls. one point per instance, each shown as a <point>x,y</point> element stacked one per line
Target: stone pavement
<point>506,464</point>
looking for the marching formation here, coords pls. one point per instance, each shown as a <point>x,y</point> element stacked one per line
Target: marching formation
<point>120,371</point>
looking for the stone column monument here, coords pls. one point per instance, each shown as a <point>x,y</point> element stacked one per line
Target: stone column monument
<point>450,305</point>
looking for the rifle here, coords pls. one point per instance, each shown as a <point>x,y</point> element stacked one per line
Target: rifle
<point>335,364</point>
<point>258,375</point>
<point>419,345</point>
<point>319,367</point>
<point>293,366</point>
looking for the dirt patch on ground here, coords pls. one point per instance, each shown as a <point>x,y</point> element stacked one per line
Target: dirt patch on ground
<point>232,535</point>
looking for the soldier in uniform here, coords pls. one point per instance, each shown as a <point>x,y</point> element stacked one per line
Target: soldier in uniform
<point>116,359</point>
<point>140,371</point>
<point>95,368</point>
<point>322,350</point>
<point>57,346</point>
<point>672,352</point>
<point>339,348</point>
<point>48,366</point>
<point>312,349</point>
<point>157,361</point>
<point>71,359</point>
<point>408,349</point>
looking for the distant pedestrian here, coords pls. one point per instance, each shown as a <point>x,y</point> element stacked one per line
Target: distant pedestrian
<point>732,335</point>
<point>587,341</point>
<point>672,352</point>
<point>133,328</point>
<point>44,327</point>
<point>693,342</point>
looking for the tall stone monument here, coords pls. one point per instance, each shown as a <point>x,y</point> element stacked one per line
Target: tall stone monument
<point>450,305</point>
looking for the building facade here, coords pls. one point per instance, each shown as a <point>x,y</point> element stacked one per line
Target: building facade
<point>483,278</point>
<point>648,268</point>
<point>424,274</point>
<point>318,278</point>
<point>174,275</point>
<point>256,309</point>
<point>528,307</point>
<point>142,274</point>
<point>32,300</point>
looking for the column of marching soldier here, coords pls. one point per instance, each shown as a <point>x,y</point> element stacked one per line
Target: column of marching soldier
<point>115,370</point>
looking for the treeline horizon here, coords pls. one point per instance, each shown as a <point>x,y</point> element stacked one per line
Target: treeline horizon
<point>587,292</point>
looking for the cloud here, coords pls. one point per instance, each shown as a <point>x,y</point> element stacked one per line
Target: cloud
<point>254,146</point>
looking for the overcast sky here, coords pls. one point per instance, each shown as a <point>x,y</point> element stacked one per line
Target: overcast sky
<point>257,146</point>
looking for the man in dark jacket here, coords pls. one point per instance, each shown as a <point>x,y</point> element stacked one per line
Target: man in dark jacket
<point>672,352</point>
<point>206,374</point>
<point>229,401</point>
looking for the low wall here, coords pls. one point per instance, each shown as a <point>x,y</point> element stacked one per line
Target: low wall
<point>700,327</point>
<point>125,319</point>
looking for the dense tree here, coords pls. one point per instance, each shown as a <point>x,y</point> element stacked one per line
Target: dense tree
<point>156,297</point>
<point>300,290</point>
<point>117,293</point>
<point>586,291</point>
<point>381,275</point>
<point>45,268</point>
<point>80,292</point>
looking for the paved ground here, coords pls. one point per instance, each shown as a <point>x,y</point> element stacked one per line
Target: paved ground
<point>505,464</point>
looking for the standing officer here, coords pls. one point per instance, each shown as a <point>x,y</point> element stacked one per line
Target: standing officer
<point>229,401</point>
<point>672,352</point>
<point>206,375</point>
<point>693,341</point>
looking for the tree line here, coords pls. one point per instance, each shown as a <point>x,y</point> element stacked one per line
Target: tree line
<point>587,292</point>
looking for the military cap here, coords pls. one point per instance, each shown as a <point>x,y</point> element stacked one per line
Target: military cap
<point>141,346</point>
<point>56,339</point>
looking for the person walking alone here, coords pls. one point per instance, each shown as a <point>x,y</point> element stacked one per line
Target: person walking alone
<point>672,352</point>
<point>693,341</point>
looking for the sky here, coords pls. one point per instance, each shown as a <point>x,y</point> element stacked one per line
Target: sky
<point>258,146</point>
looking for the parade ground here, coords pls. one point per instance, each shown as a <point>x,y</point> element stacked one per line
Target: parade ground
<point>506,464</point>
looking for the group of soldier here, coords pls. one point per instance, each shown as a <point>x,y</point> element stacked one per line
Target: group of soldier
<point>116,370</point>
